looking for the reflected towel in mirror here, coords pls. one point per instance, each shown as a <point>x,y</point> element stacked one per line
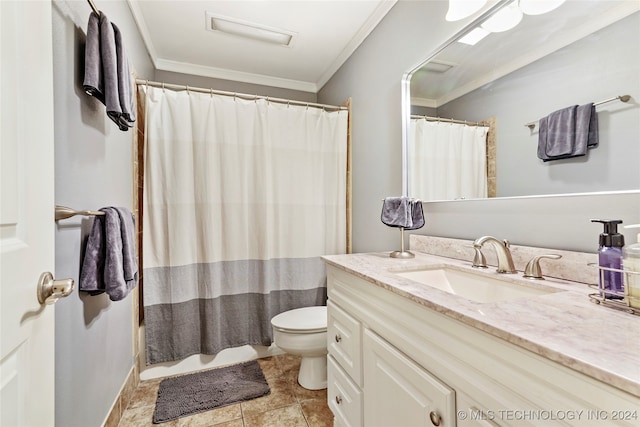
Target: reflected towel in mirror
<point>568,132</point>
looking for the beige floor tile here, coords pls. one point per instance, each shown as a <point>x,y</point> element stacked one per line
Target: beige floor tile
<point>270,367</point>
<point>302,393</point>
<point>215,417</point>
<point>317,413</point>
<point>281,395</point>
<point>142,417</point>
<point>289,365</point>
<point>146,394</point>
<point>288,416</point>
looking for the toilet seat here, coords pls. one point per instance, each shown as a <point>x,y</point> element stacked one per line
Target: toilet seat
<point>306,320</point>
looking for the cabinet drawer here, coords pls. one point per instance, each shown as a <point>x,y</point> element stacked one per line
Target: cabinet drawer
<point>344,341</point>
<point>344,397</point>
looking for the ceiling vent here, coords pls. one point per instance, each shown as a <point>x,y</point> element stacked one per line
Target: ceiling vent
<point>249,30</point>
<point>438,66</point>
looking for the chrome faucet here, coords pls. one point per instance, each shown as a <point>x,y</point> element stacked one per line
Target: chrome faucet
<point>505,262</point>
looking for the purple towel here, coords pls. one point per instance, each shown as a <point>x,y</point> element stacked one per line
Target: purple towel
<point>109,264</point>
<point>402,212</point>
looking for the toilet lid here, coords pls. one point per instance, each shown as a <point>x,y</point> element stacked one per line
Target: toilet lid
<point>307,319</point>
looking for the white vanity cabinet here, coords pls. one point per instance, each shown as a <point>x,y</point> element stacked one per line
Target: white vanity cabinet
<point>395,363</point>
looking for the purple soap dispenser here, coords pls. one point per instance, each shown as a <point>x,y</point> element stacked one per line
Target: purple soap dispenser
<point>610,257</point>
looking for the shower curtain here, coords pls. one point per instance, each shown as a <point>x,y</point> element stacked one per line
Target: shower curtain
<point>447,161</point>
<point>240,200</point>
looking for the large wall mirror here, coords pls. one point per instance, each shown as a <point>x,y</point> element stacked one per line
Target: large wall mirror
<point>483,102</point>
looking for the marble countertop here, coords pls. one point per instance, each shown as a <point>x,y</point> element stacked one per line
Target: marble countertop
<point>564,326</point>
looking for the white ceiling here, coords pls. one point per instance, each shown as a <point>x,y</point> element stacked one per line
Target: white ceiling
<point>327,32</point>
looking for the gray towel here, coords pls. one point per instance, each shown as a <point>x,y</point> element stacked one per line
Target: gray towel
<point>109,263</point>
<point>402,212</point>
<point>106,70</point>
<point>568,132</point>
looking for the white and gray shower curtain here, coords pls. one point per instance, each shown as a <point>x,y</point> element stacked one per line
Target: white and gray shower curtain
<point>241,198</point>
<point>447,161</point>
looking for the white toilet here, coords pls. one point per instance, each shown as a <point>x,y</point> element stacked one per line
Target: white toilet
<point>303,332</point>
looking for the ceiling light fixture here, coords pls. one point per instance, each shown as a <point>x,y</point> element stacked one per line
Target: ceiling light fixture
<point>538,7</point>
<point>505,19</point>
<point>248,30</point>
<point>460,9</point>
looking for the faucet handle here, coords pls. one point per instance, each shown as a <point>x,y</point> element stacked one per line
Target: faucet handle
<point>479,261</point>
<point>533,270</point>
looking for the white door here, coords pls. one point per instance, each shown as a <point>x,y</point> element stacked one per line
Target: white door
<point>26,213</point>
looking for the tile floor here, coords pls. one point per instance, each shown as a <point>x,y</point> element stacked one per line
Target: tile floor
<point>288,404</point>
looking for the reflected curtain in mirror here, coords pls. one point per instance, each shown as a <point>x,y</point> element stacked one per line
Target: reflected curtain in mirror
<point>447,160</point>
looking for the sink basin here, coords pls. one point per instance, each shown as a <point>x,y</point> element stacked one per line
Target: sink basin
<point>473,286</point>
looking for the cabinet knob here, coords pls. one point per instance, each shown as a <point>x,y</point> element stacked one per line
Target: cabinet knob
<point>435,418</point>
<point>338,338</point>
<point>338,400</point>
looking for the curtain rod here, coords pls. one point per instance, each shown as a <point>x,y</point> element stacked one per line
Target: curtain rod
<point>441,119</point>
<point>623,98</point>
<point>94,7</point>
<point>235,94</point>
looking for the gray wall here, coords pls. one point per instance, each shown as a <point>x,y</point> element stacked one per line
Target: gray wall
<point>93,168</point>
<point>405,37</point>
<point>598,67</point>
<point>371,77</point>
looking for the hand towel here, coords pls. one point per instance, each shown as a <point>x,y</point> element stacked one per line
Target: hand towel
<point>93,78</point>
<point>125,116</point>
<point>91,272</point>
<point>109,263</point>
<point>568,132</point>
<point>557,133</point>
<point>106,73</point>
<point>402,212</point>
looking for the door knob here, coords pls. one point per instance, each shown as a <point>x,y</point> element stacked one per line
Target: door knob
<point>50,290</point>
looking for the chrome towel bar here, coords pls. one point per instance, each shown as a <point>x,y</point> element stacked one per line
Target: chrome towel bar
<point>622,98</point>
<point>63,212</point>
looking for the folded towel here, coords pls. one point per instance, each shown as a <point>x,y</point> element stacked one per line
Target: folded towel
<point>125,116</point>
<point>109,263</point>
<point>568,132</point>
<point>106,71</point>
<point>93,78</point>
<point>402,212</point>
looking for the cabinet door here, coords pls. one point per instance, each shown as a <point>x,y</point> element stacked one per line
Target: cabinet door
<point>398,392</point>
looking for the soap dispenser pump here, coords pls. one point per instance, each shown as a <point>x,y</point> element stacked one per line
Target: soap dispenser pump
<point>610,260</point>
<point>631,264</point>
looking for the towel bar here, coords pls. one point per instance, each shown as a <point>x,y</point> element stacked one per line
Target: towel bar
<point>63,212</point>
<point>623,98</point>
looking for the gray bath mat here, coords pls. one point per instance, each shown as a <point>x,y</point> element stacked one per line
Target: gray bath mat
<point>193,393</point>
